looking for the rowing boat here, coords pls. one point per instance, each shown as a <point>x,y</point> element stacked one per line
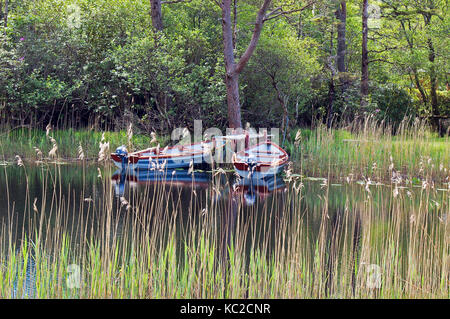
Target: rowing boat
<point>260,160</point>
<point>179,156</point>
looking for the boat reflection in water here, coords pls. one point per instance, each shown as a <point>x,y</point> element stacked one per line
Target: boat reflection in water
<point>172,177</point>
<point>244,190</point>
<point>253,188</point>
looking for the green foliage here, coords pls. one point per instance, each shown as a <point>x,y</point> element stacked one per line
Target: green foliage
<point>391,104</point>
<point>81,62</point>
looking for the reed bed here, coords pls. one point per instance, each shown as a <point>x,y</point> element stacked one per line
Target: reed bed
<point>153,242</point>
<point>371,150</point>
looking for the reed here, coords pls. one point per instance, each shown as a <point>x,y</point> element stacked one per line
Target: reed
<point>385,241</point>
<point>370,150</point>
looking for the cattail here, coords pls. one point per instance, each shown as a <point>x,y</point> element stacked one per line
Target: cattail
<point>298,187</point>
<point>35,209</point>
<point>38,152</point>
<point>424,184</point>
<point>54,149</point>
<point>324,183</point>
<point>124,202</point>
<point>374,166</point>
<point>153,135</point>
<point>395,193</point>
<point>367,186</point>
<point>19,161</point>
<point>130,133</point>
<point>80,153</point>
<point>298,138</point>
<point>48,128</point>
<point>104,150</point>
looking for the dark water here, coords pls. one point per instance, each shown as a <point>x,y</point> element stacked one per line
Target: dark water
<point>75,190</point>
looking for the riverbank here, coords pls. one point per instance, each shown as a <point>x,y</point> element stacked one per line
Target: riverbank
<point>369,152</point>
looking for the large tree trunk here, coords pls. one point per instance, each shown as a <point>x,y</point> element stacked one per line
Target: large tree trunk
<point>156,14</point>
<point>341,14</point>
<point>234,106</point>
<point>231,77</point>
<point>234,69</point>
<point>364,56</point>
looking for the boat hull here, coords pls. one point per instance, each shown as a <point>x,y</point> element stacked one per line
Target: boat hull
<point>258,172</point>
<point>260,161</point>
<point>169,158</point>
<point>156,164</point>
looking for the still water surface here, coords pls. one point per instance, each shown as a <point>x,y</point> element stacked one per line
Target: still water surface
<point>77,189</point>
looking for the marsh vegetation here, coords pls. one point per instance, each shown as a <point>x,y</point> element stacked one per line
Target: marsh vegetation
<point>359,213</point>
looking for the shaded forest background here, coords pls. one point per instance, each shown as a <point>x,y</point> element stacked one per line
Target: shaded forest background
<point>103,64</point>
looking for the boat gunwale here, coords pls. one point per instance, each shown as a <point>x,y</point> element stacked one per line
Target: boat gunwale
<point>282,159</point>
<point>185,154</point>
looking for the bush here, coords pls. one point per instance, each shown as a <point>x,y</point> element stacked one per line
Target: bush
<point>391,104</point>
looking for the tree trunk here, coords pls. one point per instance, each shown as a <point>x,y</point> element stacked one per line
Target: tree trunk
<point>331,89</point>
<point>331,93</point>
<point>341,14</point>
<point>231,78</point>
<point>156,14</point>
<point>234,23</point>
<point>234,106</point>
<point>364,56</point>
<point>5,17</point>
<point>234,69</point>
<point>433,78</point>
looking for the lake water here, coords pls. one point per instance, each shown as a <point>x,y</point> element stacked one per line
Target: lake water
<point>84,193</point>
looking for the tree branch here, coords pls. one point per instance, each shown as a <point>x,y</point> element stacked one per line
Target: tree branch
<point>279,11</point>
<point>255,37</point>
<point>381,60</point>
<point>217,2</point>
<point>175,1</point>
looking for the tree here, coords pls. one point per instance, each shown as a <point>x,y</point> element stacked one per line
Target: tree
<point>232,68</point>
<point>341,14</point>
<point>364,55</point>
<point>417,19</point>
<point>155,9</point>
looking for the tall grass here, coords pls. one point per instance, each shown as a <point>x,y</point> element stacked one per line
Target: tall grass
<point>152,242</point>
<point>369,150</point>
<point>26,141</point>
